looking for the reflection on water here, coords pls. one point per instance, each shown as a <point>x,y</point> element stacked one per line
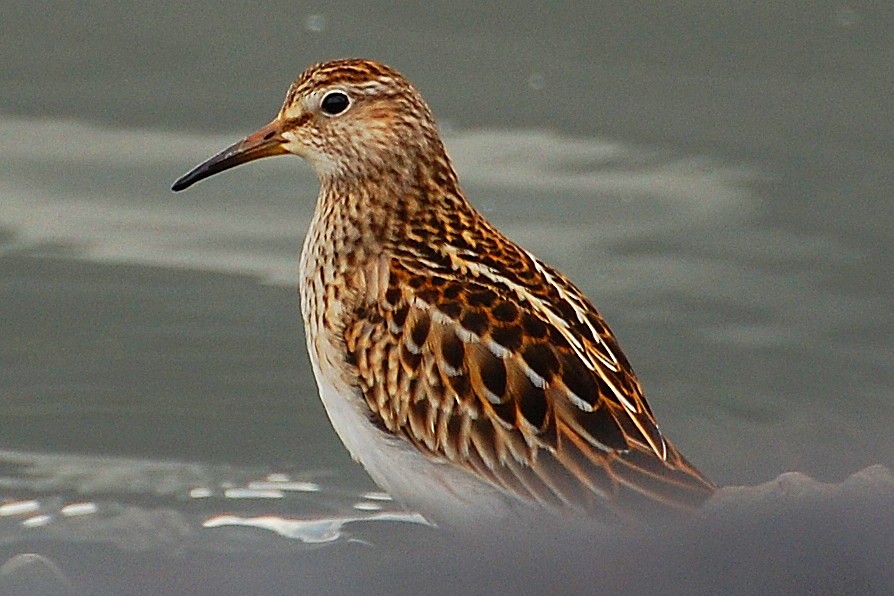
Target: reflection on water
<point>312,531</point>
<point>51,196</point>
<point>163,506</point>
<point>204,512</point>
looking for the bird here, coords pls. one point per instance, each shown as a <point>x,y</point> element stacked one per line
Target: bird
<point>470,379</point>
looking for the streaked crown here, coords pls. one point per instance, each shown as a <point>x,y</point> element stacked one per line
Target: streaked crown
<point>357,117</point>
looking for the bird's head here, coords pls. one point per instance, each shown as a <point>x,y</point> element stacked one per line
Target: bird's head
<point>347,118</point>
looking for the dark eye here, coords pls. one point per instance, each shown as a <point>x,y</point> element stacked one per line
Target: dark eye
<point>335,102</point>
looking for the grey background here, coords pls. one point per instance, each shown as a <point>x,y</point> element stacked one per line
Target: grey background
<point>716,176</point>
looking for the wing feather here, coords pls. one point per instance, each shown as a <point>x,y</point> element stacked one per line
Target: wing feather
<point>537,400</point>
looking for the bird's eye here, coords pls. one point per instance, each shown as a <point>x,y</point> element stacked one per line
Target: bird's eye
<point>334,103</point>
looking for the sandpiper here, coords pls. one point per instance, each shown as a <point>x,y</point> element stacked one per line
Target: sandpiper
<point>467,376</point>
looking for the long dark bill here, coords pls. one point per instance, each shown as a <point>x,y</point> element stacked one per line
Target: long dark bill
<point>266,142</point>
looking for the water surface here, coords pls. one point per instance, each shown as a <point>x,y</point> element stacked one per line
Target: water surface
<point>717,178</point>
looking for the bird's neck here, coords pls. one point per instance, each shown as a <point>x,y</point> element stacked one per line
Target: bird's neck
<point>360,219</point>
<point>379,208</point>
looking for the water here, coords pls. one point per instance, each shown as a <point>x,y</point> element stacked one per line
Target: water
<point>717,178</point>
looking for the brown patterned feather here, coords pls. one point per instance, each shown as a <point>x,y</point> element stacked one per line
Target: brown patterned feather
<point>539,421</point>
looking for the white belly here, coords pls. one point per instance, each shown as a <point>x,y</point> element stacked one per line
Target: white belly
<point>440,491</point>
